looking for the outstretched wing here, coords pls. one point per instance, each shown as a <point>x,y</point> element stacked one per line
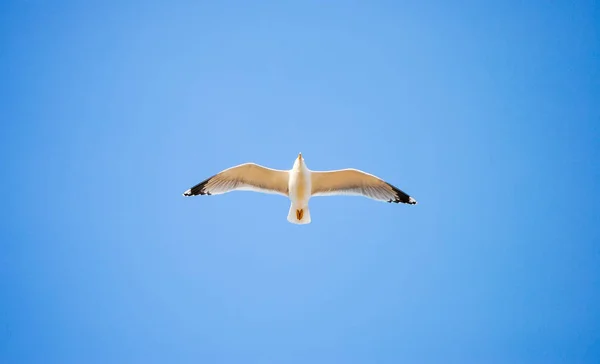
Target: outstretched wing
<point>248,176</point>
<point>355,182</point>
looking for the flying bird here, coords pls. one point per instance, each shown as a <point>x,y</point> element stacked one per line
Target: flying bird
<point>299,184</point>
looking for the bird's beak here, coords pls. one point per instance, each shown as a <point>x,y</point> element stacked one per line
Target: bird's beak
<point>299,155</point>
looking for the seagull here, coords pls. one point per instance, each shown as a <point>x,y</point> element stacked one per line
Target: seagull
<point>299,184</point>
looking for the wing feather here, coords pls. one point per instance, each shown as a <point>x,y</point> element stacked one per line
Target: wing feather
<point>248,177</point>
<point>355,182</point>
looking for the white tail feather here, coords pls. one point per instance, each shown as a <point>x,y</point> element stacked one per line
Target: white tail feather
<point>299,215</point>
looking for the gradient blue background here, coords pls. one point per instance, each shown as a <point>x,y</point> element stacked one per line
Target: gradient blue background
<point>486,112</point>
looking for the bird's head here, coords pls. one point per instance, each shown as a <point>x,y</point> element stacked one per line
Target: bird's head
<point>299,161</point>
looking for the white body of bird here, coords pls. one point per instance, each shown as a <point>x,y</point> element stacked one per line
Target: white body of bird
<point>299,192</point>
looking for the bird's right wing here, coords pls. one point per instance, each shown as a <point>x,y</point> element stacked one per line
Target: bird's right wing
<point>248,176</point>
<point>355,182</point>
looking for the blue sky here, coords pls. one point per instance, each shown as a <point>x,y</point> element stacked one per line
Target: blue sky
<point>486,112</point>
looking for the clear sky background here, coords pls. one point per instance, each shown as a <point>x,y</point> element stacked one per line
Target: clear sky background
<point>488,113</point>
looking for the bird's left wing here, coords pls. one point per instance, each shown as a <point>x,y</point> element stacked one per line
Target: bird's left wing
<point>248,176</point>
<point>355,182</point>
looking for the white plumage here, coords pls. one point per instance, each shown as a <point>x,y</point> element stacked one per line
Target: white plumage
<point>299,184</point>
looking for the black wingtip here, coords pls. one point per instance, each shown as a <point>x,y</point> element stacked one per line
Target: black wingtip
<point>402,197</point>
<point>198,189</point>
